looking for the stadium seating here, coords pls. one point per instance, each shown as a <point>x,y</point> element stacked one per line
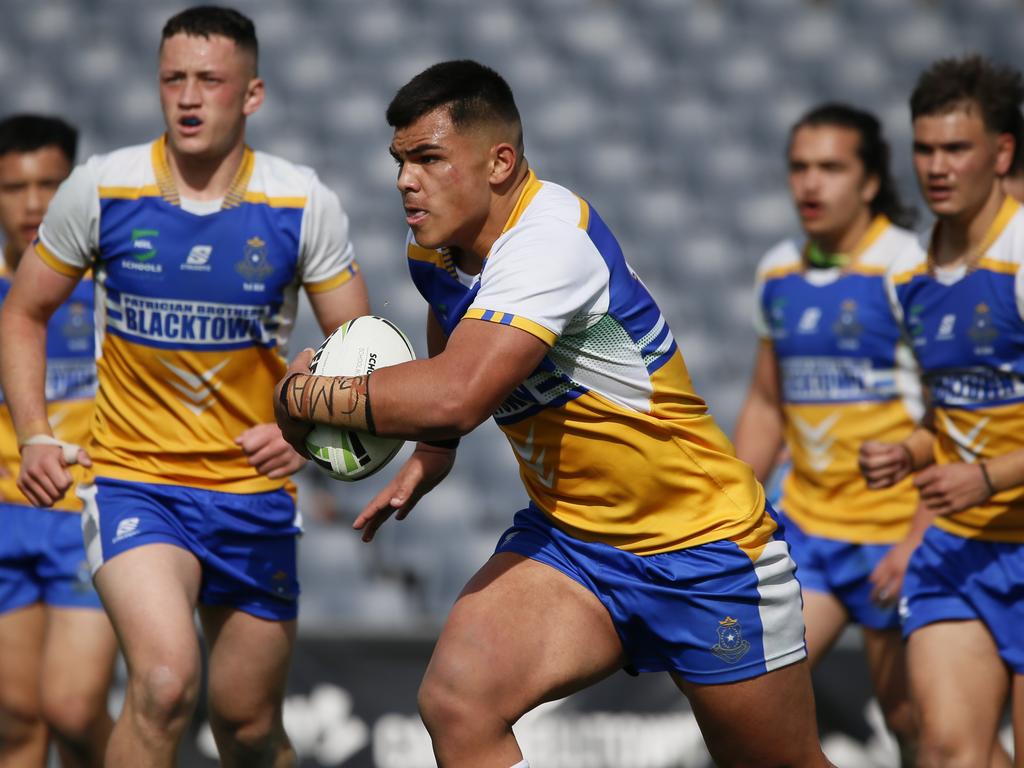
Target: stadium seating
<point>670,117</point>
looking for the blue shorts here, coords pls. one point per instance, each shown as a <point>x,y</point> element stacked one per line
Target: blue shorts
<point>951,578</point>
<point>42,559</point>
<point>841,569</point>
<point>246,543</point>
<point>708,612</point>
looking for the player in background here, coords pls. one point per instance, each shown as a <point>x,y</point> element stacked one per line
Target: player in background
<point>199,245</point>
<point>831,372</point>
<point>960,304</point>
<point>646,543</point>
<point>57,647</point>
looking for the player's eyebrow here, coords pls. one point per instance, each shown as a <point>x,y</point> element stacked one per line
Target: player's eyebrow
<point>417,150</point>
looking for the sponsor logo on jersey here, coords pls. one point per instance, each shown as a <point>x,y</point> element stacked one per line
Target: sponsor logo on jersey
<point>982,331</point>
<point>126,529</point>
<point>809,320</point>
<point>198,259</point>
<point>254,266</point>
<point>69,378</point>
<point>946,326</point>
<point>915,324</point>
<point>777,318</point>
<point>961,387</point>
<point>188,322</point>
<point>847,327</point>
<point>731,647</point>
<point>817,379</point>
<point>144,243</point>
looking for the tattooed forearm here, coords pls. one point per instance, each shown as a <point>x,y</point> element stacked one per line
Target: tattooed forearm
<point>342,401</point>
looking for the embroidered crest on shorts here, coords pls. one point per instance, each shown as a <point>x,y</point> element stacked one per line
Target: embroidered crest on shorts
<point>731,647</point>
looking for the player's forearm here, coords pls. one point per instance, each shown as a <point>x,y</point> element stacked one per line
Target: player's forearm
<point>759,431</point>
<point>413,401</point>
<point>920,448</point>
<point>1006,471</point>
<point>23,370</point>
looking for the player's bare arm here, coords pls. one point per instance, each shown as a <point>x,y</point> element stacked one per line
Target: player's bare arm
<point>885,464</point>
<point>263,444</point>
<point>35,294</point>
<point>759,427</point>
<point>439,398</point>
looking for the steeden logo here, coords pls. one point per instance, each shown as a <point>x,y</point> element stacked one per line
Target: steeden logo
<point>126,529</point>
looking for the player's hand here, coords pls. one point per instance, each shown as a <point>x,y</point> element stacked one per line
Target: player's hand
<point>949,488</point>
<point>269,452</point>
<point>887,577</point>
<point>44,477</point>
<point>427,467</point>
<point>294,431</point>
<point>883,464</point>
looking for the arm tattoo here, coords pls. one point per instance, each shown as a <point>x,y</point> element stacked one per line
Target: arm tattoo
<point>342,401</point>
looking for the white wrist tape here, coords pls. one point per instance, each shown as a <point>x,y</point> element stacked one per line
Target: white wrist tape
<point>70,449</point>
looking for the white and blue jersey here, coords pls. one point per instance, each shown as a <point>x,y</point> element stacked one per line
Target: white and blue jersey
<point>634,490</point>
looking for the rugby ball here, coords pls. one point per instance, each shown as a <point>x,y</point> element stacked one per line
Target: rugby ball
<point>357,348</point>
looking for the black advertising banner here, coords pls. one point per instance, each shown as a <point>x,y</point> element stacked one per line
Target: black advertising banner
<point>352,703</point>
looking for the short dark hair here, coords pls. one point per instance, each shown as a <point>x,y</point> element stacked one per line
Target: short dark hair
<point>873,151</point>
<point>209,20</point>
<point>29,133</point>
<point>956,82</point>
<point>472,92</point>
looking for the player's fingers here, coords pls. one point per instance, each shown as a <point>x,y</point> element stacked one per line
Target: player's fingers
<point>84,458</point>
<point>287,464</point>
<point>300,363</point>
<point>376,522</point>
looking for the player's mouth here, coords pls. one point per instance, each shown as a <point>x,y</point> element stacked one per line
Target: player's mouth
<point>414,216</point>
<point>189,125</point>
<point>810,209</point>
<point>29,231</point>
<point>938,193</point>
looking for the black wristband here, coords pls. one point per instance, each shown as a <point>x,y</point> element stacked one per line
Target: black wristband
<point>451,445</point>
<point>988,480</point>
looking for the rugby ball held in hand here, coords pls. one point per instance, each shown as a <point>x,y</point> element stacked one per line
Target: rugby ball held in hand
<point>357,348</point>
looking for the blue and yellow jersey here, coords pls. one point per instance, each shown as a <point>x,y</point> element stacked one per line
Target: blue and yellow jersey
<point>70,388</point>
<point>612,441</point>
<point>195,301</point>
<point>966,327</point>
<point>845,376</point>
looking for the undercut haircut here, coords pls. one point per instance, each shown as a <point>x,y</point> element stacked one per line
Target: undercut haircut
<point>472,93</point>
<point>209,20</point>
<point>957,83</point>
<point>30,133</point>
<point>873,151</point>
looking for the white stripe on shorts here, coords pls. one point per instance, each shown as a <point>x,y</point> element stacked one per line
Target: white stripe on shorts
<point>781,608</point>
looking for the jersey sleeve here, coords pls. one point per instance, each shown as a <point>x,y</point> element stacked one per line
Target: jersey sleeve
<point>69,235</point>
<point>327,259</point>
<point>540,280</point>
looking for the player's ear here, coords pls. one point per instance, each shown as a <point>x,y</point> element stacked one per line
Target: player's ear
<point>1005,146</point>
<point>254,94</point>
<point>503,162</point>
<point>870,189</point>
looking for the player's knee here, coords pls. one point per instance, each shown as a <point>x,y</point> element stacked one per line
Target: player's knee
<point>441,704</point>
<point>20,725</point>
<point>165,696</point>
<point>74,717</point>
<point>900,720</point>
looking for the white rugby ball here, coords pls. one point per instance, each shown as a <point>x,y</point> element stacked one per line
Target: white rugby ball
<point>357,348</point>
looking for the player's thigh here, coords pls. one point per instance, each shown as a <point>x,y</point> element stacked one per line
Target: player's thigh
<point>78,656</point>
<point>824,619</point>
<point>1018,721</point>
<point>521,633</point>
<point>765,720</point>
<point>248,663</point>
<point>958,683</point>
<point>150,594</point>
<point>887,664</point>
<point>21,642</point>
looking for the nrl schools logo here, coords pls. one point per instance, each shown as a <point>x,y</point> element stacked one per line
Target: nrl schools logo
<point>143,251</point>
<point>254,265</point>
